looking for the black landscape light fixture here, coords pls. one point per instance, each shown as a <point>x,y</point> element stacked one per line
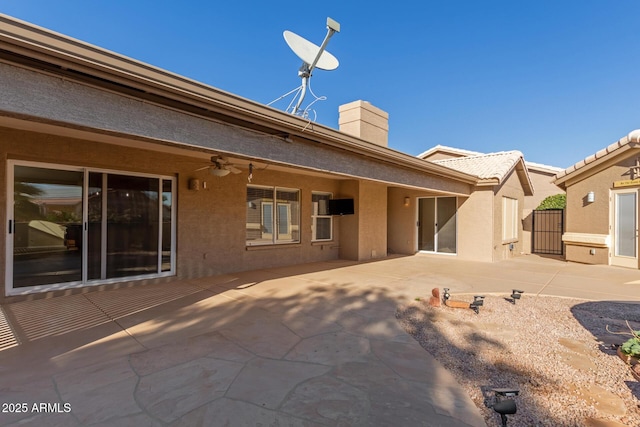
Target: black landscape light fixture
<point>504,405</point>
<point>515,295</point>
<point>478,301</point>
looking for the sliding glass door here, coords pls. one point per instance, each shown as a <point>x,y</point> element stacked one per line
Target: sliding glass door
<point>437,228</point>
<point>73,226</point>
<point>46,226</point>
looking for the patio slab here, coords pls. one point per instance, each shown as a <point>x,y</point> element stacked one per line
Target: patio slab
<point>307,345</point>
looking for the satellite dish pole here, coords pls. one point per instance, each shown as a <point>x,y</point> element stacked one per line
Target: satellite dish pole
<point>312,57</point>
<point>306,69</point>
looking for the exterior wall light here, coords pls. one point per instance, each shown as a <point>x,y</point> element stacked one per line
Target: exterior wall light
<point>407,201</point>
<point>591,197</point>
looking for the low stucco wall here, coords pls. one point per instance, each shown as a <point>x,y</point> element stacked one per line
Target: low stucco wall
<point>582,254</point>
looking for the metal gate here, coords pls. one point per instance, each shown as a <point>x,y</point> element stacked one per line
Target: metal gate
<point>548,226</point>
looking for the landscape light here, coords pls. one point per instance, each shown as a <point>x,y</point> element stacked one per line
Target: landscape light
<point>505,406</point>
<point>516,294</point>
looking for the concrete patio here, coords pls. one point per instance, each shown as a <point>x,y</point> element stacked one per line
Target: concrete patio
<point>308,345</point>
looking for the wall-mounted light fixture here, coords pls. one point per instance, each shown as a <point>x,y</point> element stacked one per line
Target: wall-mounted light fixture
<point>194,184</point>
<point>407,201</point>
<point>591,197</point>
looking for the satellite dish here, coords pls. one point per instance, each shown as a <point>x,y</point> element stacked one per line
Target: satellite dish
<point>312,56</point>
<point>308,52</point>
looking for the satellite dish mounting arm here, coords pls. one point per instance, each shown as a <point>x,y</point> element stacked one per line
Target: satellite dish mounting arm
<point>306,69</point>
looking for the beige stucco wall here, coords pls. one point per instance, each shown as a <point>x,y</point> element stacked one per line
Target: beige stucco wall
<point>475,230</point>
<point>512,188</point>
<point>364,235</point>
<point>474,223</point>
<point>401,231</point>
<point>593,218</point>
<point>210,223</point>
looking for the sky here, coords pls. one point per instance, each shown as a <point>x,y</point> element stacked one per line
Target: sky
<point>555,79</point>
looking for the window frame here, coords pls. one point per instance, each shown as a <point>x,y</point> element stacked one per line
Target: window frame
<point>275,227</point>
<point>315,216</point>
<point>510,228</point>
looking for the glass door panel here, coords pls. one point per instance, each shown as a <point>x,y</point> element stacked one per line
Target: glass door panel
<point>95,234</point>
<point>437,228</point>
<point>284,222</point>
<point>167,224</point>
<point>427,224</point>
<point>446,224</point>
<point>625,237</point>
<point>132,225</point>
<point>47,229</point>
<point>267,221</point>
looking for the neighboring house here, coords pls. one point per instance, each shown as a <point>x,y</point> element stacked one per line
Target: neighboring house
<point>602,205</point>
<point>541,177</point>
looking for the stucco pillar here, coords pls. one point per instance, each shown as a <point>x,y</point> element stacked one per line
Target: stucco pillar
<point>363,236</point>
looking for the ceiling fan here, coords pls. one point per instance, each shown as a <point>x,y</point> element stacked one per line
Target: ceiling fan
<point>220,167</point>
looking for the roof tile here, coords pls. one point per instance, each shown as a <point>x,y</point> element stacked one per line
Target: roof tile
<point>485,166</point>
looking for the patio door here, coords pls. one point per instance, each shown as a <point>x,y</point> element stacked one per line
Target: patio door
<point>437,224</point>
<point>624,229</point>
<point>45,227</point>
<point>70,226</point>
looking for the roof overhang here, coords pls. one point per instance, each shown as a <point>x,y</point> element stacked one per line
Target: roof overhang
<point>38,48</point>
<point>600,160</point>
<point>523,176</point>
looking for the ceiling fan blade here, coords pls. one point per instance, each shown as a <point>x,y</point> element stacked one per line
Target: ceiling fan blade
<point>233,169</point>
<point>202,168</point>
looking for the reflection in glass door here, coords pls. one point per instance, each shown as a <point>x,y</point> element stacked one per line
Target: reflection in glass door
<point>132,225</point>
<point>71,227</point>
<point>47,226</point>
<point>437,228</point>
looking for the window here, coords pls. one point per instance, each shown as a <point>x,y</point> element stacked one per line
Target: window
<point>273,215</point>
<point>509,219</point>
<point>321,221</point>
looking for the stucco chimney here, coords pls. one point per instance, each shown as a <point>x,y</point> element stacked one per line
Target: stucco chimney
<point>361,119</point>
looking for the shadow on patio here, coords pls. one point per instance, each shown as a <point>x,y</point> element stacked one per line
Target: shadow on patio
<point>315,344</point>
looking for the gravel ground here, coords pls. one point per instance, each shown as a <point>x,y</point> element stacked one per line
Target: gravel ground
<point>556,351</point>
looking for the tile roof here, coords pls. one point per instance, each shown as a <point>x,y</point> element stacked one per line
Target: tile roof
<point>447,149</point>
<point>485,166</point>
<point>632,137</point>
<point>466,153</point>
<point>543,167</point>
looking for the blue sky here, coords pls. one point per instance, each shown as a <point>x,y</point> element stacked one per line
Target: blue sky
<point>557,80</point>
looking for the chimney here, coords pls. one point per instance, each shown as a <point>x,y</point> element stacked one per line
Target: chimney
<point>361,119</point>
